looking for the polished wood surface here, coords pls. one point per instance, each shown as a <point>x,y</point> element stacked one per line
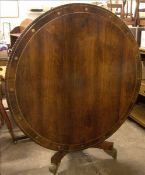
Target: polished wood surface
<point>73,77</point>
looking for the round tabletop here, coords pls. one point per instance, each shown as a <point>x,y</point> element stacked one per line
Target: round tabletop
<point>73,77</point>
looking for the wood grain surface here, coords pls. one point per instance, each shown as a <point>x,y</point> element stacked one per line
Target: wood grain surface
<point>73,77</point>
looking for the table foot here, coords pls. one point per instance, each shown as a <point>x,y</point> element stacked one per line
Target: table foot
<point>55,161</point>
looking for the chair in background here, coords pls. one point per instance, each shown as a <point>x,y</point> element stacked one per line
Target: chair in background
<point>129,13</point>
<point>124,10</point>
<point>116,7</point>
<point>140,19</point>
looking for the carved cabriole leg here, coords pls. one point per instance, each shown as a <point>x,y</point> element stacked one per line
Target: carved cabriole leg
<point>55,161</point>
<point>112,153</point>
<point>108,148</point>
<point>57,157</point>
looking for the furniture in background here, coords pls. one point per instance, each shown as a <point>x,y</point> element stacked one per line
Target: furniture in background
<point>4,117</point>
<point>116,7</point>
<point>124,10</point>
<point>140,21</point>
<point>138,112</point>
<point>4,58</point>
<point>129,15</point>
<point>16,32</point>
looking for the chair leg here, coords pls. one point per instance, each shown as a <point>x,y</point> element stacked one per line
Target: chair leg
<point>108,147</point>
<point>7,120</point>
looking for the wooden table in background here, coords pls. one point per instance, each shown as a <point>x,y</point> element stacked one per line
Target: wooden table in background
<point>4,58</point>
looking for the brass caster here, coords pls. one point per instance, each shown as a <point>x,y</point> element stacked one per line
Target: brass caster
<point>53,168</point>
<point>112,153</point>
